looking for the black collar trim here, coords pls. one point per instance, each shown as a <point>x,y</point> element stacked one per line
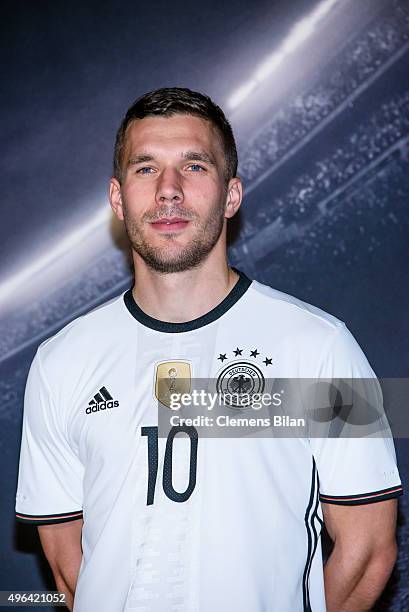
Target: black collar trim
<point>231,298</point>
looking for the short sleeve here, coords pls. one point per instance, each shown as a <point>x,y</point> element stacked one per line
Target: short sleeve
<point>49,488</point>
<point>355,469</point>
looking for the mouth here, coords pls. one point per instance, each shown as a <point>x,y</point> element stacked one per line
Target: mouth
<point>171,224</point>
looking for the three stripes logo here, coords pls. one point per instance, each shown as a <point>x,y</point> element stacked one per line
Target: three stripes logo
<point>101,401</point>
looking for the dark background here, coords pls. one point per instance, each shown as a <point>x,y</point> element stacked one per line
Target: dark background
<point>323,146</point>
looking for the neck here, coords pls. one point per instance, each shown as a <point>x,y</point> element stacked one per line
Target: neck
<point>182,296</point>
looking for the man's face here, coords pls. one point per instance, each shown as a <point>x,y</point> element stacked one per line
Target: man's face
<point>173,197</point>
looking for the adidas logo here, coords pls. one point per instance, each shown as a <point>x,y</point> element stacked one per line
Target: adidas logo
<point>101,401</point>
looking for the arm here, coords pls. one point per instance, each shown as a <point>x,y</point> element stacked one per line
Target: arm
<point>62,547</point>
<point>363,556</point>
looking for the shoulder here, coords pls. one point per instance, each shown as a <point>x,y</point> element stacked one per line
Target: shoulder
<point>83,336</point>
<point>305,329</point>
<point>292,311</point>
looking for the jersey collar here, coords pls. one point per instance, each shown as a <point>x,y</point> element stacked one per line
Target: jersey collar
<point>231,298</point>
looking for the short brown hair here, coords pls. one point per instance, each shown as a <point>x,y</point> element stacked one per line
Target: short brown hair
<point>169,101</point>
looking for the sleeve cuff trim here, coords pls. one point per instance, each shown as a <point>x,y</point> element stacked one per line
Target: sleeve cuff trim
<point>363,498</point>
<point>48,519</point>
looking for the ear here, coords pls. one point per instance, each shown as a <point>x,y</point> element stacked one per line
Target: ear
<point>115,198</point>
<point>234,197</point>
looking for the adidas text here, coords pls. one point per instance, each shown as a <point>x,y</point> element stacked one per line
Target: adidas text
<point>102,406</point>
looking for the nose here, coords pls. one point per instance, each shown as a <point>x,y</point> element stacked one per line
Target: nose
<point>169,187</point>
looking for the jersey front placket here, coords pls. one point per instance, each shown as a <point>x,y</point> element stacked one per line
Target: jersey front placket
<point>163,551</point>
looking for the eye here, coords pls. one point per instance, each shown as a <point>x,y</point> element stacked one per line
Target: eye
<point>141,170</point>
<point>196,167</point>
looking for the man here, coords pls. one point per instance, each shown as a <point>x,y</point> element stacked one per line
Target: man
<point>132,521</point>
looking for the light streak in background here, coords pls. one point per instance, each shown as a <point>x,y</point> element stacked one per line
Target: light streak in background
<point>64,246</point>
<point>297,35</point>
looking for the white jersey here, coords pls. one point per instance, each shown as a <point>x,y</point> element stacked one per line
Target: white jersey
<point>187,524</point>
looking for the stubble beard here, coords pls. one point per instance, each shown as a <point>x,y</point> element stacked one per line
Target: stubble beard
<point>168,260</point>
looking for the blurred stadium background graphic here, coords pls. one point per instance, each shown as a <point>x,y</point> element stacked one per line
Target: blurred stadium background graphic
<point>318,95</point>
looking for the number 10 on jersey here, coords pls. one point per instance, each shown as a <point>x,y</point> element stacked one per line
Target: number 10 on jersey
<point>153,461</point>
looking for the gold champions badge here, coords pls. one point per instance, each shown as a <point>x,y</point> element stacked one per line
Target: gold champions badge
<point>172,377</point>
